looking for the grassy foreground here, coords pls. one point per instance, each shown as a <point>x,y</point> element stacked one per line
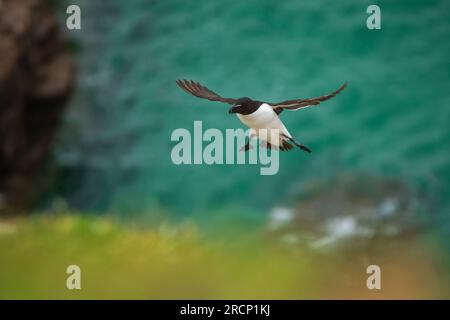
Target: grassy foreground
<point>118,262</point>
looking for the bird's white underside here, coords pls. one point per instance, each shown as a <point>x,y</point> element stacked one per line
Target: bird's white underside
<point>265,118</point>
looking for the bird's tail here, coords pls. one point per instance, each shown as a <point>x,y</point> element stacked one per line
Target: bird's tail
<point>301,146</point>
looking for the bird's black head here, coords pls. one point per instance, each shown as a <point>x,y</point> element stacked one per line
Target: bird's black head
<point>244,106</point>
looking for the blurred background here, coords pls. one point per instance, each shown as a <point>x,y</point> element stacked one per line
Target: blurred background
<point>86,176</point>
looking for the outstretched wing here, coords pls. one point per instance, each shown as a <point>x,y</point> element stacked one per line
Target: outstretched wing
<point>303,103</point>
<point>196,89</point>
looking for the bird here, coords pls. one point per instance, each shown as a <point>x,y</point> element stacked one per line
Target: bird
<point>258,115</point>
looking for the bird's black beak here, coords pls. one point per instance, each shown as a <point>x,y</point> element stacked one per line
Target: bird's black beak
<point>232,109</point>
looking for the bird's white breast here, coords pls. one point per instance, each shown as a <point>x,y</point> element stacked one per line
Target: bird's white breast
<point>259,119</point>
<point>265,118</point>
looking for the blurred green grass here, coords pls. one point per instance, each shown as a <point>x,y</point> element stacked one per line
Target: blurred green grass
<point>119,261</point>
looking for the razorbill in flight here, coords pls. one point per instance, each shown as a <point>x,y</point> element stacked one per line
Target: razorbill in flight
<point>259,115</point>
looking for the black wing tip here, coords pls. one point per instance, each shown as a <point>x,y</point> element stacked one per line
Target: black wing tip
<point>191,85</point>
<point>180,82</point>
<point>333,94</point>
<point>184,81</point>
<point>343,86</point>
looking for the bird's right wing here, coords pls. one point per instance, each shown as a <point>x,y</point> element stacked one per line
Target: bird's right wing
<point>303,103</point>
<point>196,89</point>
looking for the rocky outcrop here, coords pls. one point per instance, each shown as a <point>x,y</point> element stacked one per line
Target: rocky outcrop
<point>36,77</point>
<point>352,211</point>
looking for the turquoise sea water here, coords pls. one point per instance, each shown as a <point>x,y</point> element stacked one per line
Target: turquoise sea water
<point>392,120</point>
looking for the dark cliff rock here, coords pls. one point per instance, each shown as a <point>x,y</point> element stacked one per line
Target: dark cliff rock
<point>36,77</point>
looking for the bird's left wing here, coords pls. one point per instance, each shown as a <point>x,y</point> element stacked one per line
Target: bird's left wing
<point>303,103</point>
<point>196,89</point>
